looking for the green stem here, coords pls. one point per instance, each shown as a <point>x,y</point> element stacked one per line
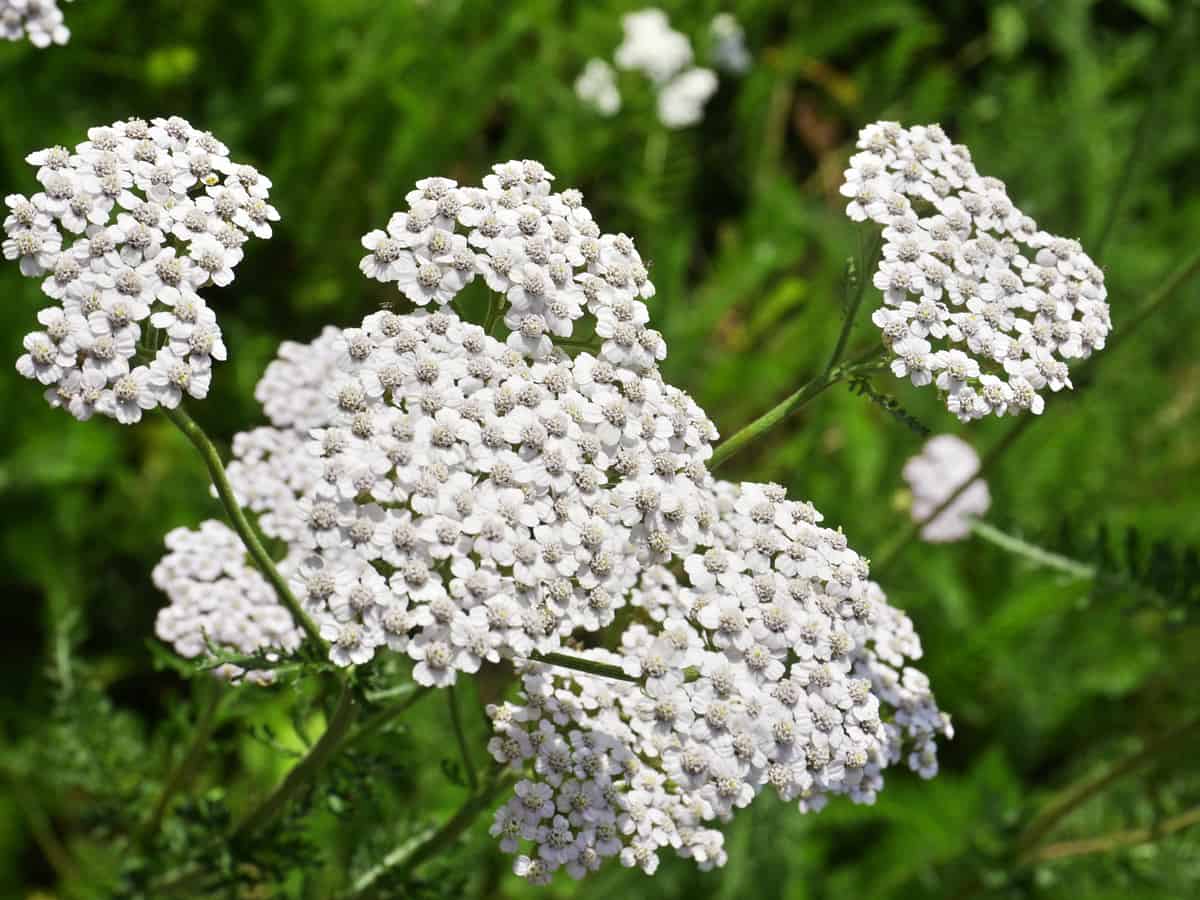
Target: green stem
<point>1115,840</point>
<point>1157,298</point>
<point>1032,552</point>
<point>43,833</point>
<point>375,723</point>
<point>185,769</point>
<point>587,666</point>
<point>831,375</point>
<point>319,754</point>
<point>212,459</point>
<point>768,420</point>
<point>599,669</point>
<point>404,860</point>
<point>495,304</point>
<point>1078,794</point>
<point>461,737</point>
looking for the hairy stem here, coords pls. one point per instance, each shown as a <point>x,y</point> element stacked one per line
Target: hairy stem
<point>1032,552</point>
<point>212,459</point>
<point>336,731</point>
<point>186,767</point>
<point>495,304</point>
<point>830,376</point>
<point>404,860</point>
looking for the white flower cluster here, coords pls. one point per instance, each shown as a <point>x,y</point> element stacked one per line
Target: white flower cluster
<point>216,599</point>
<point>461,500</point>
<point>41,21</point>
<point>474,504</point>
<point>775,663</point>
<point>597,87</point>
<point>539,249</point>
<point>651,46</point>
<point>127,228</point>
<point>944,464</point>
<point>963,270</point>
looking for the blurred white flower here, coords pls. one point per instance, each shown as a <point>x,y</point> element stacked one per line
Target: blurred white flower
<point>681,101</point>
<point>41,21</point>
<point>729,44</point>
<point>652,46</point>
<point>944,464</point>
<point>597,87</point>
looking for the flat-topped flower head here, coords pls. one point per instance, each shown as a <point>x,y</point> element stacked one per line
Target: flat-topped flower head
<point>788,672</point>
<point>502,505</point>
<point>537,250</point>
<point>125,230</point>
<point>41,22</point>
<point>977,299</point>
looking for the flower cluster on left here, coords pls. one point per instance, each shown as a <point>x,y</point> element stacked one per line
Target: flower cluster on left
<point>41,21</point>
<point>124,233</point>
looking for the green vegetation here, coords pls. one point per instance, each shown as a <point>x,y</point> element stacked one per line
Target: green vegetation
<point>1073,772</point>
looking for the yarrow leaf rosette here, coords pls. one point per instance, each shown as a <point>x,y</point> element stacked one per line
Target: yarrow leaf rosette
<point>39,21</point>
<point>460,499</point>
<point>963,270</point>
<point>125,231</point>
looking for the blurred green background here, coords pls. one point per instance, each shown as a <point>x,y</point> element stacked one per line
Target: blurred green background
<point>1088,110</point>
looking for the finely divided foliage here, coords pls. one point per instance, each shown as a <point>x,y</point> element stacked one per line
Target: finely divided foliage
<point>963,270</point>
<point>124,232</point>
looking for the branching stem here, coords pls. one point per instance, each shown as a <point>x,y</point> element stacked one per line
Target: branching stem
<point>336,731</point>
<point>404,860</point>
<point>831,375</point>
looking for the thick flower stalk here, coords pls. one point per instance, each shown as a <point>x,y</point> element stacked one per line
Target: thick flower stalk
<point>125,231</point>
<point>40,22</point>
<point>977,299</point>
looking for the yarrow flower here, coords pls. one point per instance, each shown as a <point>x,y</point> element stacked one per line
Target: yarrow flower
<point>729,44</point>
<point>39,21</point>
<point>651,46</point>
<point>540,250</point>
<point>786,670</point>
<point>217,601</point>
<point>124,232</point>
<point>460,500</point>
<point>944,465</point>
<point>977,299</point>
<point>597,87</point>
